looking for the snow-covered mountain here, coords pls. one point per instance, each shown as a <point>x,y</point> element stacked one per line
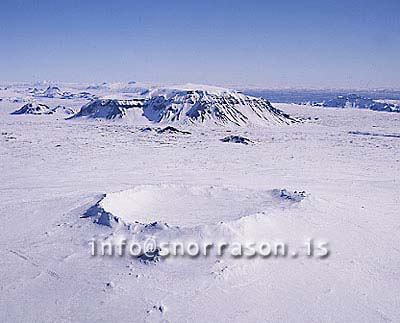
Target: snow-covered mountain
<point>189,105</point>
<point>110,108</point>
<point>40,108</point>
<point>359,102</point>
<point>51,92</point>
<point>34,108</point>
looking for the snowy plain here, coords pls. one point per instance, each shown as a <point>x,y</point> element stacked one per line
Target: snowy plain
<point>53,170</point>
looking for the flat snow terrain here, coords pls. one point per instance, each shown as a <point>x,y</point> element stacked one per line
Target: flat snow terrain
<point>52,170</point>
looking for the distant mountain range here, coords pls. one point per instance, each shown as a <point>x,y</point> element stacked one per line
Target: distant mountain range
<point>302,96</point>
<point>358,102</point>
<point>55,92</point>
<point>378,100</point>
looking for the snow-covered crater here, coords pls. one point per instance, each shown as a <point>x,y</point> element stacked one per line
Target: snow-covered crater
<point>180,205</point>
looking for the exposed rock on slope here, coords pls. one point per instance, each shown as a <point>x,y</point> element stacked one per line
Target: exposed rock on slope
<point>166,130</point>
<point>189,106</point>
<point>110,108</point>
<point>52,92</point>
<point>172,130</point>
<point>34,108</point>
<point>237,140</point>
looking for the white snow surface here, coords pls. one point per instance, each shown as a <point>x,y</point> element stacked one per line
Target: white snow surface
<point>53,170</point>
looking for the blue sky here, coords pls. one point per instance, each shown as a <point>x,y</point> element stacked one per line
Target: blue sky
<point>320,44</point>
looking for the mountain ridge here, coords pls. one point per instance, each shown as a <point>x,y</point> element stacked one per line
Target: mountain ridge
<point>188,106</point>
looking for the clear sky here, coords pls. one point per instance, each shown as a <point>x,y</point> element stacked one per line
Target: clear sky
<point>323,43</point>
